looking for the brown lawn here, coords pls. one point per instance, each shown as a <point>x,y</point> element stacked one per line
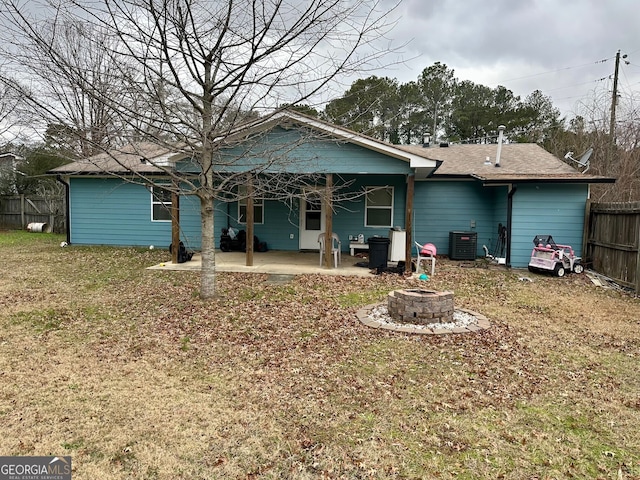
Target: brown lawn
<point>131,374</point>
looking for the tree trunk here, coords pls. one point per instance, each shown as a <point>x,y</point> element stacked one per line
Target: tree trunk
<point>250,221</point>
<point>208,273</point>
<point>175,224</point>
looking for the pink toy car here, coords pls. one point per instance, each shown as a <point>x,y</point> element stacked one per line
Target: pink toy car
<point>548,256</point>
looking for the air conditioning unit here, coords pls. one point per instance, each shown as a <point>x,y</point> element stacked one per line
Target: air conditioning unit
<point>463,245</point>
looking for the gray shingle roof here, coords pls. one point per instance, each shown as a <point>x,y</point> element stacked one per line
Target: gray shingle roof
<point>122,160</point>
<point>519,162</point>
<point>515,158</point>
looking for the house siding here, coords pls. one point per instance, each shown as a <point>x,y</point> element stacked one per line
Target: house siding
<point>279,223</point>
<point>348,218</point>
<point>108,211</point>
<point>309,155</point>
<point>190,222</point>
<point>441,207</point>
<point>546,209</point>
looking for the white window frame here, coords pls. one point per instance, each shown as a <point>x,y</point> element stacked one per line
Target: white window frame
<point>242,202</point>
<point>377,207</point>
<point>156,200</point>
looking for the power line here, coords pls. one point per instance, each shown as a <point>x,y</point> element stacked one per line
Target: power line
<point>578,84</point>
<point>557,70</point>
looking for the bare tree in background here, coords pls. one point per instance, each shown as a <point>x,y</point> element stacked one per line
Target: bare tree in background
<point>13,119</point>
<point>67,73</point>
<point>619,159</point>
<point>186,72</point>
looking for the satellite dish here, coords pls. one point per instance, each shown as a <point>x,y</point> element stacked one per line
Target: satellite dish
<point>583,161</point>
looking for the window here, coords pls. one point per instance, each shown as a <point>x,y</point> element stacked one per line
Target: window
<point>258,207</point>
<point>379,207</point>
<point>160,204</point>
<point>313,212</point>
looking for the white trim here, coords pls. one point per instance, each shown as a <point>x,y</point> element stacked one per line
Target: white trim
<point>367,207</point>
<point>155,201</point>
<point>308,239</point>
<point>257,202</point>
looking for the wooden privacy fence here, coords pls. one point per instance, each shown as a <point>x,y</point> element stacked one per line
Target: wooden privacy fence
<point>18,211</point>
<point>612,241</point>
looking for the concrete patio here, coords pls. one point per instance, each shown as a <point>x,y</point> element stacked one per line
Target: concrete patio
<point>273,262</point>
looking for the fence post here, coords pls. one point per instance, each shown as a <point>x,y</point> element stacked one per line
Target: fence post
<point>22,221</point>
<point>585,231</point>
<point>638,255</point>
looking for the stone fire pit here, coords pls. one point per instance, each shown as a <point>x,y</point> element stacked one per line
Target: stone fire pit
<point>421,311</point>
<point>420,307</point>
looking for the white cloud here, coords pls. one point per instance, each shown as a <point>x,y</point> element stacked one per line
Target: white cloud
<point>527,45</point>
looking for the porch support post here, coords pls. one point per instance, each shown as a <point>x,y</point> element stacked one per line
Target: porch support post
<point>250,221</point>
<point>408,226</point>
<point>175,222</point>
<point>328,221</point>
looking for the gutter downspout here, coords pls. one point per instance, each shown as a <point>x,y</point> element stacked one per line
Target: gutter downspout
<point>67,210</point>
<point>512,190</point>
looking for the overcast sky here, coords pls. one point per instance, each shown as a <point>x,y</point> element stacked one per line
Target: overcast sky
<point>565,48</point>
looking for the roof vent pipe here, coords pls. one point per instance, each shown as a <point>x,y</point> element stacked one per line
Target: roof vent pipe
<point>500,133</point>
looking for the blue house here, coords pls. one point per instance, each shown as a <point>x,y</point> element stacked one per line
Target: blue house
<point>437,194</point>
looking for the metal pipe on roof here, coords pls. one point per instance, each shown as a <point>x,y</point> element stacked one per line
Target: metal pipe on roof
<point>500,134</point>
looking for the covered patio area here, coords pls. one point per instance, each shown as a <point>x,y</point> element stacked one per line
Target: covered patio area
<point>274,262</point>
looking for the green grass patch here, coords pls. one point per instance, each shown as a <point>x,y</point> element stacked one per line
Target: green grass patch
<point>11,238</point>
<point>42,321</point>
<point>359,299</point>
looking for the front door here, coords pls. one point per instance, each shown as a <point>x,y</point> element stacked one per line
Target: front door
<point>311,220</point>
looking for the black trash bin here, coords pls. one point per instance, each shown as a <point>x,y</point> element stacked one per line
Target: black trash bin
<point>378,252</point>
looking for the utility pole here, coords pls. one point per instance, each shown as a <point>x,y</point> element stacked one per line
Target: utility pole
<point>614,99</point>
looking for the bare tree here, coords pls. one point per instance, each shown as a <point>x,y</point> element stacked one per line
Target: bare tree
<point>197,68</point>
<point>67,75</point>
<point>14,121</point>
<point>617,157</point>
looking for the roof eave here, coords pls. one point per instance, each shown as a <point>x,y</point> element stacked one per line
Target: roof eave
<point>515,179</point>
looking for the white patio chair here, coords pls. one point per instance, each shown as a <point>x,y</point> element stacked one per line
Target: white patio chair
<point>426,252</point>
<point>336,248</point>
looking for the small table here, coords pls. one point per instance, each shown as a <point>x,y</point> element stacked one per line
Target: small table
<point>357,246</point>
